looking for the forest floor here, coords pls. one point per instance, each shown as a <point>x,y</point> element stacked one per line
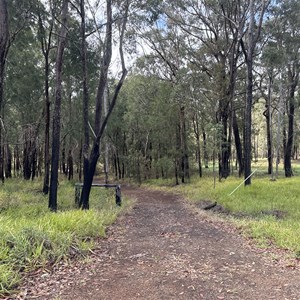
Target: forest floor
<point>166,248</point>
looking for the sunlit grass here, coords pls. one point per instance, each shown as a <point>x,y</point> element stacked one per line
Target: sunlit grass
<point>31,236</point>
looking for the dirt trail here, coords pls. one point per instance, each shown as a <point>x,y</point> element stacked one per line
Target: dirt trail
<point>163,249</point>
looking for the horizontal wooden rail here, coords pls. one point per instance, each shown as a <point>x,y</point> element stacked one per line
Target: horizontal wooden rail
<point>117,187</point>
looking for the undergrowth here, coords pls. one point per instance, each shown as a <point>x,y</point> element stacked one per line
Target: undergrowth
<point>32,237</point>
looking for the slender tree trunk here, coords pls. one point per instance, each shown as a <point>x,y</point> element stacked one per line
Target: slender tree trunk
<point>4,36</point>
<point>47,131</point>
<point>279,126</point>
<point>254,31</point>
<point>238,143</point>
<point>99,124</point>
<point>249,96</point>
<point>57,109</point>
<point>63,157</point>
<point>198,151</point>
<point>290,137</point>
<point>268,115</point>
<point>185,174</point>
<point>46,46</point>
<point>70,166</point>
<point>205,154</point>
<point>85,99</point>
<point>8,161</point>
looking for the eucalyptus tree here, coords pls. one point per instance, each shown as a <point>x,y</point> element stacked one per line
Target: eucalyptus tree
<point>256,15</point>
<point>143,129</point>
<point>286,33</point>
<point>167,61</point>
<point>4,42</point>
<point>214,30</point>
<point>45,20</point>
<point>23,83</point>
<point>57,108</point>
<point>100,121</point>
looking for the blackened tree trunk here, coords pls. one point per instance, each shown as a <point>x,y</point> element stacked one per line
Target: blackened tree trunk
<point>57,109</point>
<point>100,124</point>
<point>248,120</point>
<point>29,152</point>
<point>63,158</point>
<point>47,131</point>
<point>185,172</point>
<point>222,119</point>
<point>4,40</point>
<point>293,79</point>
<point>205,153</point>
<point>8,161</point>
<point>238,143</point>
<point>198,150</point>
<point>268,115</point>
<point>70,166</point>
<point>85,95</point>
<point>45,41</point>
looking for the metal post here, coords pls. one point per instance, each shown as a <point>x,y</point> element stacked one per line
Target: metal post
<point>118,195</point>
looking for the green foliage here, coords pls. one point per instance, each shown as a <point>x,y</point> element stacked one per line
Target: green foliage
<point>31,236</point>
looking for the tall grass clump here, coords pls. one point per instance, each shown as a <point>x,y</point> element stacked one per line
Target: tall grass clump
<point>32,237</point>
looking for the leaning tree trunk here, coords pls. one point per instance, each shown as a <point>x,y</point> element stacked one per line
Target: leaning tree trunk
<point>57,110</point>
<point>99,124</point>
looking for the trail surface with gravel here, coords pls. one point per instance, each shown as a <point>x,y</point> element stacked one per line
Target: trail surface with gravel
<point>165,249</point>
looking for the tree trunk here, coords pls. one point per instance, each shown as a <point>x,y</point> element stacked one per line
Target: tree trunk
<point>198,150</point>
<point>8,161</point>
<point>249,96</point>
<point>4,36</point>
<point>268,115</point>
<point>57,109</point>
<point>46,47</point>
<point>47,130</point>
<point>205,154</point>
<point>70,166</point>
<point>238,143</point>
<point>290,136</point>
<point>99,124</point>
<point>85,95</point>
<point>279,125</point>
<point>185,174</point>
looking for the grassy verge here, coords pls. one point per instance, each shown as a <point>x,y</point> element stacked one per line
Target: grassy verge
<point>32,237</point>
<point>259,204</point>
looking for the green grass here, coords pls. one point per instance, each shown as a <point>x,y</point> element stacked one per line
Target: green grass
<point>32,237</point>
<point>252,202</point>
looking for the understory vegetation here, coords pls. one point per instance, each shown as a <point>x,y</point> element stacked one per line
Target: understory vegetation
<point>32,237</point>
<point>268,210</point>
